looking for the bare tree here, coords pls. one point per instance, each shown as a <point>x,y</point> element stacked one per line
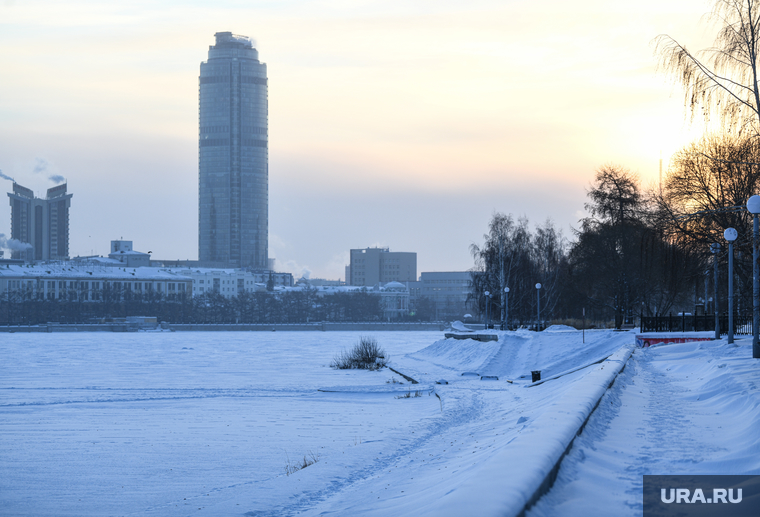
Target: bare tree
<point>724,79</point>
<point>707,183</point>
<point>514,257</point>
<point>621,260</point>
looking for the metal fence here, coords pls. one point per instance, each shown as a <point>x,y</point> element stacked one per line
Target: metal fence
<point>692,323</point>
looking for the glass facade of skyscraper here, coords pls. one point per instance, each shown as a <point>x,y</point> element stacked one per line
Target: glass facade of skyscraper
<point>233,197</point>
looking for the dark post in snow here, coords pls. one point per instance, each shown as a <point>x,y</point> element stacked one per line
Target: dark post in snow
<point>730,235</point>
<point>753,206</point>
<point>584,324</point>
<point>487,295</point>
<point>538,307</point>
<point>506,308</point>
<point>715,249</point>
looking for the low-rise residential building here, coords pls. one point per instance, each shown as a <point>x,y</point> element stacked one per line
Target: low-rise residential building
<point>394,296</point>
<point>232,282</point>
<point>83,282</point>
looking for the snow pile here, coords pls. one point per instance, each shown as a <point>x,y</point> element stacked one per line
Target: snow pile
<point>458,326</point>
<point>458,355</point>
<point>559,328</point>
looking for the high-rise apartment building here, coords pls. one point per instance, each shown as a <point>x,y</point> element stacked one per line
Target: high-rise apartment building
<point>233,170</point>
<point>42,224</point>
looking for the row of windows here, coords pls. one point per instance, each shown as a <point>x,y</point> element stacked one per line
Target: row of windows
<point>253,130</point>
<point>215,129</point>
<point>245,79</point>
<point>86,285</point>
<point>221,142</point>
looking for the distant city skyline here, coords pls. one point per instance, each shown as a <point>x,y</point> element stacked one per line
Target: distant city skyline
<point>395,125</point>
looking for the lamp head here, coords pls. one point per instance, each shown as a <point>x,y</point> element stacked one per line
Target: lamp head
<point>538,286</point>
<point>730,234</point>
<point>753,204</point>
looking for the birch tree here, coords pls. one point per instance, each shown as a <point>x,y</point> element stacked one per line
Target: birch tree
<point>721,80</point>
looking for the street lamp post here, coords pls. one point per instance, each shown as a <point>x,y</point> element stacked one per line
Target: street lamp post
<point>538,307</point>
<point>753,207</point>
<point>506,307</point>
<point>730,235</point>
<point>715,249</point>
<point>487,294</point>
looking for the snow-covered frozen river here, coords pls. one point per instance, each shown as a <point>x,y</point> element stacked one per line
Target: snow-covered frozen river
<point>205,423</point>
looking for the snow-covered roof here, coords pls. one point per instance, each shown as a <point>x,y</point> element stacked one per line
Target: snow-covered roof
<point>130,252</point>
<point>73,270</point>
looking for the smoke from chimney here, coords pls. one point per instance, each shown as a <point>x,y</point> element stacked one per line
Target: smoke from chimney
<point>13,244</point>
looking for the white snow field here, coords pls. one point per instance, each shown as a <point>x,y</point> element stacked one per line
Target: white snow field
<point>206,423</point>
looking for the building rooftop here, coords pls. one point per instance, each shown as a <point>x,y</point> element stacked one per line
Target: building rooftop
<point>68,270</point>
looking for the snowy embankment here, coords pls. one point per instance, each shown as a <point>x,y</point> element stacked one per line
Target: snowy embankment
<point>687,408</point>
<point>523,470</point>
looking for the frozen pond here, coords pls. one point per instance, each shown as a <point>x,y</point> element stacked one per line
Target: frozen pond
<point>117,424</point>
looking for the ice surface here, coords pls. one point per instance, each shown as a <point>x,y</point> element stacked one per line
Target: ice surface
<point>205,423</point>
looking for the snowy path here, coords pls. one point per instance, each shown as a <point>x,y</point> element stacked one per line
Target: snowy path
<point>678,409</point>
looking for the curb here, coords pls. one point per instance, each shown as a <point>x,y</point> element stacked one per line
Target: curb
<point>502,486</point>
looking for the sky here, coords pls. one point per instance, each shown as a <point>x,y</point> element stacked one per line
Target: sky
<point>398,124</point>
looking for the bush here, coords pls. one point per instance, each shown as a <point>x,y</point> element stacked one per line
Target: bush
<point>366,355</point>
<point>408,395</point>
<point>292,468</point>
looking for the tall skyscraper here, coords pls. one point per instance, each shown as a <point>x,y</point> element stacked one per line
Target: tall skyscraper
<point>233,165</point>
<point>43,224</point>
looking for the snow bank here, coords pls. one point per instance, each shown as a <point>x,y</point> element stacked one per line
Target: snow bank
<point>459,354</point>
<point>517,474</point>
<point>460,327</point>
<point>559,328</point>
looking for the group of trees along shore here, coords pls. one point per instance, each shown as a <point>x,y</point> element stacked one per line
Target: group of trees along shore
<point>647,250</point>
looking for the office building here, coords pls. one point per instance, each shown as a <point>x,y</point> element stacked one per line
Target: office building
<point>42,225</point>
<point>372,266</point>
<point>233,156</point>
<point>448,290</point>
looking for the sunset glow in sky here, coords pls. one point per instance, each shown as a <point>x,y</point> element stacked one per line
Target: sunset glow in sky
<point>401,124</point>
